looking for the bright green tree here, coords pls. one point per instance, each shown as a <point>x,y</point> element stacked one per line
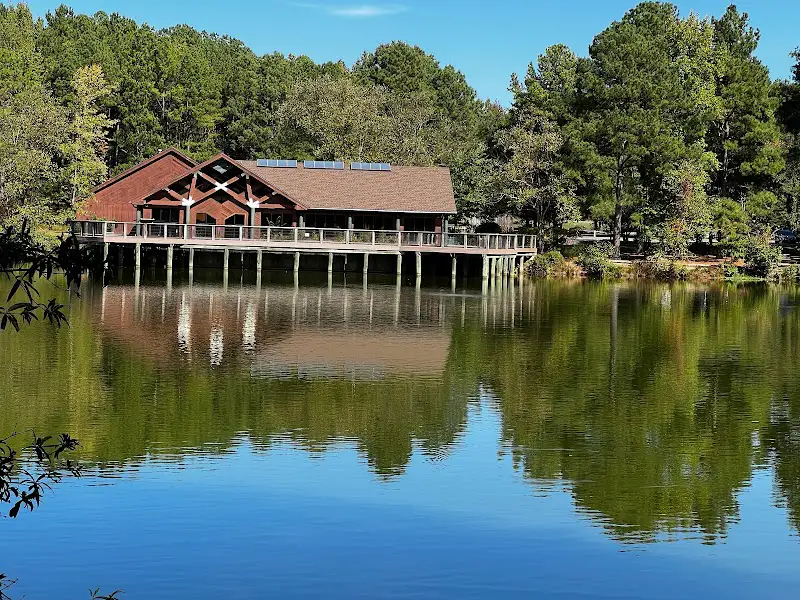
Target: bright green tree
<point>32,125</point>
<point>85,151</point>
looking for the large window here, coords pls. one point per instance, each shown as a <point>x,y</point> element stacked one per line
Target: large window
<point>419,223</point>
<point>277,219</point>
<point>324,219</point>
<point>380,221</point>
<point>166,215</point>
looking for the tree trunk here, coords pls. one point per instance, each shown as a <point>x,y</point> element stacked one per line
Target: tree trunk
<point>725,160</point>
<point>617,224</point>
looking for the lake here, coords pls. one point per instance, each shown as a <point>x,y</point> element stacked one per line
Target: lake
<point>546,439</point>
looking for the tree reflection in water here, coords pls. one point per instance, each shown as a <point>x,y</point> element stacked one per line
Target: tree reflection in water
<point>654,404</point>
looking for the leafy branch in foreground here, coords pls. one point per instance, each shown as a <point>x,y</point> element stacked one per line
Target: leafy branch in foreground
<point>27,474</point>
<point>22,487</point>
<point>23,260</point>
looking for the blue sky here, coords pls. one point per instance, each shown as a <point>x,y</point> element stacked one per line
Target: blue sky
<point>486,39</point>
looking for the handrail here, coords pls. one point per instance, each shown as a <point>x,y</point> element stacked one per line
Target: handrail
<point>109,230</point>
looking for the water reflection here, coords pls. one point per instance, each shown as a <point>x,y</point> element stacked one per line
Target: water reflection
<point>654,405</point>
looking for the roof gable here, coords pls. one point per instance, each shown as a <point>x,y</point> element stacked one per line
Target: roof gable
<point>188,161</point>
<point>219,173</point>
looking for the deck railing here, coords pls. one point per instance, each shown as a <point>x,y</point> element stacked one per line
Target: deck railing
<point>301,236</point>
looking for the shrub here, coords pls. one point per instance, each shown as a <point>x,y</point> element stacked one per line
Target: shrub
<point>730,271</point>
<point>761,257</point>
<point>541,264</point>
<point>790,273</point>
<point>596,261</point>
<point>660,268</point>
<point>706,273</point>
<point>551,264</point>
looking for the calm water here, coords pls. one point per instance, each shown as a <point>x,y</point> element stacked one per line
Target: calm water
<point>546,440</point>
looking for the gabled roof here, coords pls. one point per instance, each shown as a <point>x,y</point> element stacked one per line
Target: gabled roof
<point>221,156</point>
<point>138,167</point>
<point>403,189</point>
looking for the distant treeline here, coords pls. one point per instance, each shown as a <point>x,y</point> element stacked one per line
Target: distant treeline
<point>670,127</point>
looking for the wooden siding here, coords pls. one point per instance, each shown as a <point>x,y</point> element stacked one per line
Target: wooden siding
<point>113,202</point>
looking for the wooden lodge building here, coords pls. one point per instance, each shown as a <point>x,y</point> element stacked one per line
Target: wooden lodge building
<point>170,187</point>
<point>285,209</point>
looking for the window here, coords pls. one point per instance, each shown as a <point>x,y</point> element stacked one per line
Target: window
<point>232,225</point>
<point>419,223</point>
<point>205,219</point>
<point>277,219</point>
<point>205,223</point>
<point>166,215</point>
<point>326,220</point>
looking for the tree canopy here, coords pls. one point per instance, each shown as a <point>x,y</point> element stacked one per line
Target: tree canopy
<point>667,126</point>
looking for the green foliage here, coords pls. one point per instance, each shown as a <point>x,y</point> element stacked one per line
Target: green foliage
<point>790,273</point>
<point>532,182</point>
<point>643,112</point>
<point>761,257</point>
<point>660,268</point>
<point>86,149</point>
<point>764,211</point>
<point>666,125</point>
<point>744,134</point>
<point>730,224</point>
<point>596,262</point>
<point>551,264</point>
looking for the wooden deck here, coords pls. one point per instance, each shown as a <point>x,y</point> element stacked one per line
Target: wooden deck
<point>304,239</point>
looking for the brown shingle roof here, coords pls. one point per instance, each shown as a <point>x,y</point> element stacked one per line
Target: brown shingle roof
<point>403,189</point>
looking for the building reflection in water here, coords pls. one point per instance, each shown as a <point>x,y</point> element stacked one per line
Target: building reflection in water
<point>654,405</point>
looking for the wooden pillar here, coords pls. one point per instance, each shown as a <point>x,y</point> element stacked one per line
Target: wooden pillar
<point>170,253</point>
<point>399,265</point>
<point>191,261</point>
<point>493,262</point>
<point>330,262</point>
<point>105,253</point>
<point>259,261</point>
<point>296,262</point>
<point>138,263</point>
<point>225,260</point>
<point>418,256</point>
<point>366,262</point>
<point>485,267</point>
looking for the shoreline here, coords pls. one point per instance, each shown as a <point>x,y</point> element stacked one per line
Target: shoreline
<point>700,269</point>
